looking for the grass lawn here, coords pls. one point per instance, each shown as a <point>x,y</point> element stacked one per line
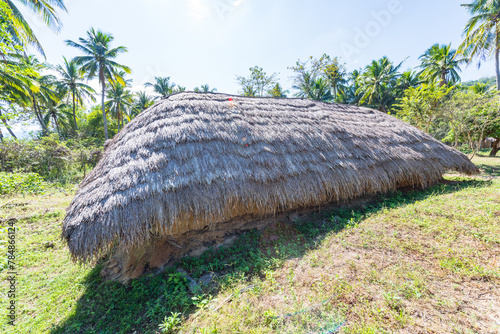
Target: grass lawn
<point>414,262</point>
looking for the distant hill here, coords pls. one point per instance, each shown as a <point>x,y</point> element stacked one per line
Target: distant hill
<point>490,81</point>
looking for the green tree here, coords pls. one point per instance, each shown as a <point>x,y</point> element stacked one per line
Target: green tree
<point>277,91</point>
<point>70,84</point>
<point>482,33</point>
<point>321,79</point>
<point>99,62</point>
<point>142,102</point>
<point>479,88</point>
<point>422,107</point>
<point>119,98</point>
<point>321,90</point>
<point>205,89</point>
<point>408,79</point>
<point>258,83</point>
<point>472,117</point>
<point>441,62</point>
<point>350,93</point>
<point>19,28</point>
<point>16,79</point>
<point>378,84</point>
<point>58,114</point>
<point>42,91</point>
<point>162,86</point>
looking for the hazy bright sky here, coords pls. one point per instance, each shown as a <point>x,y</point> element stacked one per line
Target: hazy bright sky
<point>210,41</point>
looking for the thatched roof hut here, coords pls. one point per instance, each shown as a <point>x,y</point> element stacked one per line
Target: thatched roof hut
<point>196,160</point>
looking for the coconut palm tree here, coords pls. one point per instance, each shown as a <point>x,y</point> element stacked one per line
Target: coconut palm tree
<point>482,33</point>
<point>441,62</point>
<point>303,82</point>
<point>19,28</point>
<point>57,113</point>
<point>205,89</point>
<point>377,84</point>
<point>179,89</point>
<point>162,86</point>
<point>320,90</point>
<point>42,89</point>
<point>350,94</point>
<point>143,101</point>
<point>69,84</point>
<point>99,62</point>
<point>409,79</point>
<point>119,98</point>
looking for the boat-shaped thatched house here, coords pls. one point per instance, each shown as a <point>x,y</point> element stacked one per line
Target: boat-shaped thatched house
<point>195,162</point>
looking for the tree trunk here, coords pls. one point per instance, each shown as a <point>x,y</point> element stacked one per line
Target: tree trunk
<point>118,116</point>
<point>443,79</point>
<point>105,122</point>
<point>7,126</point>
<point>45,131</point>
<point>496,148</point>
<point>57,125</point>
<point>74,109</point>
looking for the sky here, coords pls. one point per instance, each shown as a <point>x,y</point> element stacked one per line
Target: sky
<point>211,41</point>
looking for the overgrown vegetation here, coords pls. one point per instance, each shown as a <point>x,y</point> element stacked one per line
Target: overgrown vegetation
<point>53,160</point>
<point>393,264</point>
<point>21,183</point>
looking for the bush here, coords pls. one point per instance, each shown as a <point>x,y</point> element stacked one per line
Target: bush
<point>21,183</point>
<point>50,158</point>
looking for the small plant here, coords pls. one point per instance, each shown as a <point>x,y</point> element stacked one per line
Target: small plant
<point>201,301</point>
<point>393,301</point>
<point>271,319</point>
<point>171,323</point>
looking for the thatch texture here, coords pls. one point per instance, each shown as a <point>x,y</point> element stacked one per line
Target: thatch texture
<point>194,160</point>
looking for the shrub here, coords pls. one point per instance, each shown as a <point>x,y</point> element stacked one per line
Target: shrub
<point>50,158</point>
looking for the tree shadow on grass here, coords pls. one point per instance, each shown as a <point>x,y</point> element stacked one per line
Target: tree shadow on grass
<point>139,307</point>
<point>489,170</point>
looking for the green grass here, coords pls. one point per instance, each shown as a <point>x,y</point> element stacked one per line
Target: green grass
<point>403,263</point>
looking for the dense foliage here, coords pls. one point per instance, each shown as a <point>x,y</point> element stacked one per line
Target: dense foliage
<point>50,158</point>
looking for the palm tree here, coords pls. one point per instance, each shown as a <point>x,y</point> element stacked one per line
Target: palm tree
<point>19,28</point>
<point>142,102</point>
<point>119,97</point>
<point>482,33</point>
<point>350,94</point>
<point>205,89</point>
<point>99,62</point>
<point>179,89</point>
<point>70,84</point>
<point>480,88</point>
<point>441,62</point>
<point>408,79</point>
<point>42,88</point>
<point>303,82</point>
<point>321,90</point>
<point>162,86</point>
<point>377,84</point>
<point>57,113</point>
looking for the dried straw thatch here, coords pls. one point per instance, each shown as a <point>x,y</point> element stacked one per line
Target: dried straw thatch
<point>194,160</point>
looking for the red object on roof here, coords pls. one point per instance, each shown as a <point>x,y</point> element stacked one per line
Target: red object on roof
<point>230,99</point>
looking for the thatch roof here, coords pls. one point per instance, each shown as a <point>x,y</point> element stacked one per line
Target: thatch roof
<point>194,160</point>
